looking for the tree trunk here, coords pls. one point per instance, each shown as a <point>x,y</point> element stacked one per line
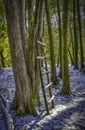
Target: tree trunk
<point>32,64</point>
<point>75,36</point>
<point>72,44</point>
<point>70,56</point>
<point>66,84</point>
<point>40,22</point>
<point>40,27</point>
<point>23,98</point>
<point>53,68</point>
<point>21,11</point>
<point>80,37</point>
<point>60,38</point>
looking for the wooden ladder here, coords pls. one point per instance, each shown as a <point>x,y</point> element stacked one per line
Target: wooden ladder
<point>47,87</point>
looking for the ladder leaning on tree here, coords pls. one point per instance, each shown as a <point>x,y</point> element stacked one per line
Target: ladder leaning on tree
<point>45,87</point>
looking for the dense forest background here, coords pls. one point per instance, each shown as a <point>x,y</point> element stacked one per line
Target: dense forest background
<point>5,59</point>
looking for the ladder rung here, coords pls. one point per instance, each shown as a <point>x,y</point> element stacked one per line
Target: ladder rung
<point>46,72</point>
<point>46,87</point>
<point>41,57</point>
<point>41,43</point>
<point>51,99</point>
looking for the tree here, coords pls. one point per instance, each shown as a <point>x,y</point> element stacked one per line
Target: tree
<point>22,24</point>
<point>80,37</point>
<point>53,68</point>
<point>72,44</point>
<point>66,84</point>
<point>23,98</point>
<point>40,27</point>
<point>60,36</point>
<point>32,63</point>
<point>75,35</point>
<point>40,22</point>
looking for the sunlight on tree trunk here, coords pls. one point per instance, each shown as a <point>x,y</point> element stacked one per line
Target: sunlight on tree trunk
<point>23,97</point>
<point>60,37</point>
<point>66,84</point>
<point>53,68</point>
<point>80,37</point>
<point>32,64</point>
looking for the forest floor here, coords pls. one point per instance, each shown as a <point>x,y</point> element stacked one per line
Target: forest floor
<point>68,114</point>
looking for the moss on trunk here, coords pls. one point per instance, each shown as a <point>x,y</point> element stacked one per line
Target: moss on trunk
<point>66,84</point>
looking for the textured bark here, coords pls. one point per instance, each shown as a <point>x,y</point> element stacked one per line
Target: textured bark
<point>72,43</point>
<point>80,37</point>
<point>23,97</point>
<point>60,38</point>
<point>40,30</point>
<point>21,12</point>
<point>75,36</point>
<point>33,17</point>
<point>31,34</point>
<point>40,22</point>
<point>52,56</point>
<point>66,84</point>
<point>70,56</point>
<point>40,26</point>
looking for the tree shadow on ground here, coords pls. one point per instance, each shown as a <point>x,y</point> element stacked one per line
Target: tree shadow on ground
<point>74,114</point>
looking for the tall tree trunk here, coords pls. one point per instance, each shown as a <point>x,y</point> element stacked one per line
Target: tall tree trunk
<point>53,68</point>
<point>75,36</point>
<point>40,22</point>
<point>80,37</point>
<point>60,38</point>
<point>30,32</point>
<point>40,26</point>
<point>21,11</point>
<point>72,43</point>
<point>23,98</point>
<point>66,84</point>
<point>32,64</point>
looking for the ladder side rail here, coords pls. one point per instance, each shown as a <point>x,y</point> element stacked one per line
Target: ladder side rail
<point>44,95</point>
<point>48,78</point>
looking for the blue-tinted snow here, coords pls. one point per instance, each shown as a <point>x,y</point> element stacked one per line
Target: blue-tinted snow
<point>69,112</point>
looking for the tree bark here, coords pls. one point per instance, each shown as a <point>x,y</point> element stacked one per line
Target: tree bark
<point>52,56</point>
<point>21,11</point>
<point>80,37</point>
<point>60,38</point>
<point>40,27</point>
<point>72,44</point>
<point>32,65</point>
<point>40,22</point>
<point>23,98</point>
<point>66,84</point>
<point>75,36</point>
